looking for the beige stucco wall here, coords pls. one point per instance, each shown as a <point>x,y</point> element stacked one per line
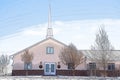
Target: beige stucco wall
<point>98,66</point>
<point>39,53</point>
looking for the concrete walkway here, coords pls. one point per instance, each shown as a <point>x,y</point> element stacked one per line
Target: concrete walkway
<point>54,78</point>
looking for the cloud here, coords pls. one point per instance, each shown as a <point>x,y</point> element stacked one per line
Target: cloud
<point>79,32</point>
<point>31,32</point>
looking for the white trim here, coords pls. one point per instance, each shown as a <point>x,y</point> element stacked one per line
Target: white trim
<point>50,73</point>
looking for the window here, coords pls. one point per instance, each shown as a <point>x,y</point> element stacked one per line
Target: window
<point>49,50</point>
<point>47,67</point>
<point>111,66</point>
<point>70,66</point>
<point>92,66</point>
<point>52,67</point>
<point>27,66</point>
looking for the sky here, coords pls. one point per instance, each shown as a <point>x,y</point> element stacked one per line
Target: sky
<point>24,22</point>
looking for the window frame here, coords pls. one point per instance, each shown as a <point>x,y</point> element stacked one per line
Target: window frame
<point>70,66</point>
<point>28,66</point>
<point>92,66</point>
<point>49,50</point>
<point>111,66</point>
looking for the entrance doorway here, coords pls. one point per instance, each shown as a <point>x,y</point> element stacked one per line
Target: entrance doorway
<point>50,69</point>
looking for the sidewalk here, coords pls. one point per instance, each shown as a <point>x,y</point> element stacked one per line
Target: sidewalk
<point>54,78</point>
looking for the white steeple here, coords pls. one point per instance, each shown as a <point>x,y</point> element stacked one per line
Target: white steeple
<point>49,29</point>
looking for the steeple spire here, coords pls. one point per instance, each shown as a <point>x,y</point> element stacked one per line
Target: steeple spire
<point>49,29</point>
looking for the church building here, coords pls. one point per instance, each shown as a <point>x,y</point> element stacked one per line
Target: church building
<point>45,56</point>
<point>46,61</point>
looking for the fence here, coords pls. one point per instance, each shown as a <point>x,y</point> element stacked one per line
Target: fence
<point>67,73</point>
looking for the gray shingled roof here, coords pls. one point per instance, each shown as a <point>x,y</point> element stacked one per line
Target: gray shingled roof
<point>116,53</point>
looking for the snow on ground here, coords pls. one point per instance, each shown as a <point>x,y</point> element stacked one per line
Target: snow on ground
<point>55,78</point>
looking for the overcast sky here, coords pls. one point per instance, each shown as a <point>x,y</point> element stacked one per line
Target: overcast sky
<point>24,22</point>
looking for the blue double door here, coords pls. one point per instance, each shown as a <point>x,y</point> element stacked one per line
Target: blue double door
<point>50,69</point>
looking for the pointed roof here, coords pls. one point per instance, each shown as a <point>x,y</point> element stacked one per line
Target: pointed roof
<point>38,44</point>
<point>49,35</point>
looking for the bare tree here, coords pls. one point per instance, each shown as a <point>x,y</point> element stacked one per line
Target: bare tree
<point>4,61</point>
<point>27,57</point>
<point>101,51</point>
<point>71,57</point>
